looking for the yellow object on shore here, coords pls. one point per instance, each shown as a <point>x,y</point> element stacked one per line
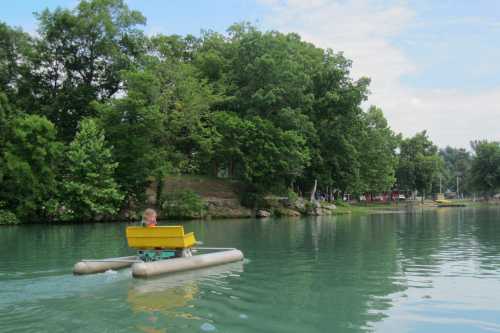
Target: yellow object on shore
<point>443,201</point>
<point>165,237</point>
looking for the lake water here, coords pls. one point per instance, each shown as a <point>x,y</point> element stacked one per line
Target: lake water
<point>421,271</point>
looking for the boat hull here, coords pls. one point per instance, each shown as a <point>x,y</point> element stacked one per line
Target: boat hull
<point>150,269</point>
<point>101,265</point>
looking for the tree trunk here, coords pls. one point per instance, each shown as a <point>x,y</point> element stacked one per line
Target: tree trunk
<point>159,190</point>
<point>216,169</point>
<point>313,192</point>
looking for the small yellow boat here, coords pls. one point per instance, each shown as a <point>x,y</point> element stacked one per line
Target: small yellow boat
<point>165,237</point>
<point>161,250</point>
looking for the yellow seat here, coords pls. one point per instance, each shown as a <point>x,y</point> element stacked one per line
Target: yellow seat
<point>165,237</point>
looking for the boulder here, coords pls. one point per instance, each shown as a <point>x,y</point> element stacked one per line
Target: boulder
<point>287,212</point>
<point>262,213</point>
<point>300,205</point>
<point>314,208</point>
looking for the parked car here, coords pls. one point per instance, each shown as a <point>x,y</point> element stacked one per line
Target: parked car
<point>401,197</point>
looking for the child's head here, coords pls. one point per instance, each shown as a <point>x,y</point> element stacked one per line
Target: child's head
<point>149,216</point>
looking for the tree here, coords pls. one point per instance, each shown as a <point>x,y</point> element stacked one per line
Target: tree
<point>257,152</point>
<point>79,57</point>
<point>271,156</point>
<point>378,162</point>
<point>15,47</point>
<point>419,164</point>
<point>231,133</point>
<point>185,102</point>
<point>485,170</point>
<point>6,115</point>
<point>295,86</point>
<point>89,188</point>
<point>134,126</point>
<point>338,118</point>
<point>457,163</point>
<point>31,158</point>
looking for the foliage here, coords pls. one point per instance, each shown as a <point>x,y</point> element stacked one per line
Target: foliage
<point>292,196</point>
<point>15,47</point>
<point>80,55</point>
<point>89,189</point>
<point>30,157</point>
<point>134,126</point>
<point>6,216</point>
<point>183,204</point>
<point>185,102</point>
<point>264,108</point>
<point>457,163</point>
<point>419,164</point>
<point>378,148</point>
<point>485,170</point>
<point>272,156</point>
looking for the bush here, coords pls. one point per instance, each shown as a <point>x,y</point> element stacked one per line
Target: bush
<point>183,204</point>
<point>7,217</point>
<point>341,203</point>
<point>292,196</point>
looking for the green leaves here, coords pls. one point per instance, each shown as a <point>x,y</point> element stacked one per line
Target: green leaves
<point>257,152</point>
<point>89,189</point>
<point>183,204</point>
<point>30,167</point>
<point>80,56</point>
<point>485,169</point>
<point>419,164</point>
<point>378,153</point>
<point>264,108</point>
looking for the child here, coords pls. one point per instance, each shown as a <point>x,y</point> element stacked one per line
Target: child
<point>149,218</point>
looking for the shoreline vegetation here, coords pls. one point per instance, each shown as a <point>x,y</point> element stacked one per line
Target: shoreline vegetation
<point>94,112</point>
<point>195,197</point>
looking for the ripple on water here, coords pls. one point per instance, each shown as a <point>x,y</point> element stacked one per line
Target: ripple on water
<point>207,327</point>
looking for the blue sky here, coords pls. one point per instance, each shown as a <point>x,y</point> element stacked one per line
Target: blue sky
<point>434,64</point>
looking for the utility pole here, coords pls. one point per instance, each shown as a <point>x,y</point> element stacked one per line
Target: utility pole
<point>458,192</point>
<point>440,184</point>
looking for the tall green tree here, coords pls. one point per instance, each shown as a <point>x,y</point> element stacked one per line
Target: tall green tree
<point>79,57</point>
<point>31,162</point>
<point>185,102</point>
<point>134,126</point>
<point>6,115</point>
<point>419,164</point>
<point>231,134</point>
<point>273,156</point>
<point>378,152</point>
<point>297,87</point>
<point>457,163</point>
<point>257,152</point>
<point>485,171</point>
<point>89,188</point>
<point>15,49</point>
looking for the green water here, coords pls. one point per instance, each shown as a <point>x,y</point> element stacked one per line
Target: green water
<point>423,271</point>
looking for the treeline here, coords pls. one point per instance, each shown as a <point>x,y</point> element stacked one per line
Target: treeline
<point>92,110</point>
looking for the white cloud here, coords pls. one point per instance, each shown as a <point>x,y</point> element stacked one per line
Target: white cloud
<point>363,31</point>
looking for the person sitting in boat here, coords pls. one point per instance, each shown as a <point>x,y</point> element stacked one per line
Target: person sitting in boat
<point>149,218</point>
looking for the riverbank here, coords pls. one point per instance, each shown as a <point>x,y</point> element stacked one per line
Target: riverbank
<point>202,197</point>
<point>371,208</point>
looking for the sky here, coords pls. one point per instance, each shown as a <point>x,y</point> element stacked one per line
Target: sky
<point>434,65</point>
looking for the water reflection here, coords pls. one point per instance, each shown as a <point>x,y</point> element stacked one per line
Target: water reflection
<point>171,297</point>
